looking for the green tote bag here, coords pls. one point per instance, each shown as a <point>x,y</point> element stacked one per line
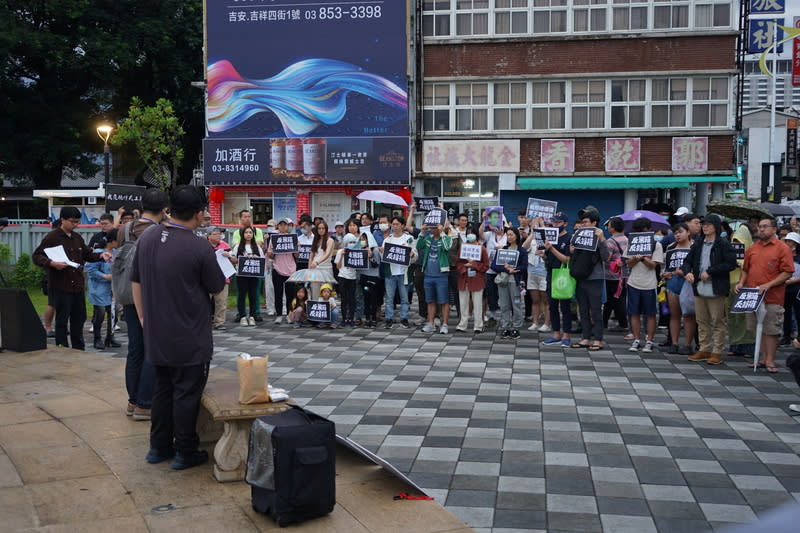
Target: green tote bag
<point>563,283</point>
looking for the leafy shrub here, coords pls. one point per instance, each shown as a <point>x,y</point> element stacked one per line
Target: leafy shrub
<point>26,275</point>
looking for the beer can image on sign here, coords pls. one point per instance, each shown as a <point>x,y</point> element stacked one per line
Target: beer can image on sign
<point>314,154</point>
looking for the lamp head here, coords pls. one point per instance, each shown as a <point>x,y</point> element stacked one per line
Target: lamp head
<point>104,131</point>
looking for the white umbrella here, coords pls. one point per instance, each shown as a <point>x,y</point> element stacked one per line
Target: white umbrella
<point>384,197</point>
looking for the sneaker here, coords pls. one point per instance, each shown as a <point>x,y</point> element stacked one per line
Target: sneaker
<point>565,343</point>
<point>443,330</point>
<point>220,327</point>
<point>428,328</point>
<point>91,328</point>
<point>491,322</point>
<point>141,414</point>
<point>51,334</point>
<point>635,346</point>
<point>352,324</point>
<point>674,349</point>
<point>333,325</point>
<point>514,334</point>
<point>534,327</point>
<point>279,320</point>
<point>544,328</point>
<point>461,330</point>
<point>258,318</point>
<point>187,460</point>
<point>685,350</point>
<point>129,409</point>
<point>388,324</point>
<point>405,323</point>
<point>155,456</point>
<point>244,321</point>
<point>477,332</point>
<point>551,341</point>
<point>648,347</point>
<point>296,325</point>
<point>506,334</point>
<point>251,321</point>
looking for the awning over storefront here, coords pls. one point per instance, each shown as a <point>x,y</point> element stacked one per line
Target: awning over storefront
<point>606,182</point>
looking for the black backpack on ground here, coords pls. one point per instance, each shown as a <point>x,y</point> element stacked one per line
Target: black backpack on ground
<point>291,466</point>
<point>582,262</point>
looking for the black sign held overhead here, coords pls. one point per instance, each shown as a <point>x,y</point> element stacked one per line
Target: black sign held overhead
<point>546,234</point>
<point>119,196</point>
<point>426,203</point>
<point>435,217</point>
<point>675,258</point>
<point>585,239</point>
<point>507,257</point>
<point>641,244</point>
<point>356,258</point>
<point>305,253</point>
<point>396,254</point>
<point>739,249</point>
<point>251,267</point>
<point>544,209</point>
<point>318,310</point>
<point>747,301</point>
<point>284,243</point>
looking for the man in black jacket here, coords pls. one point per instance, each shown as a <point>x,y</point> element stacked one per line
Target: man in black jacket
<point>707,268</point>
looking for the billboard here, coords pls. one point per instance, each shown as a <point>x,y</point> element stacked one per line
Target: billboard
<point>307,91</point>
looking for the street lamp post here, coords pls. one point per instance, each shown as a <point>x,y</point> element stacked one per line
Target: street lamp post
<point>104,131</point>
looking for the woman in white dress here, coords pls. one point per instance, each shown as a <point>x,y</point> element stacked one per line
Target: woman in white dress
<point>321,253</point>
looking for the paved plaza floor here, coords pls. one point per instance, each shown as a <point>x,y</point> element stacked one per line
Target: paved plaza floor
<point>516,436</point>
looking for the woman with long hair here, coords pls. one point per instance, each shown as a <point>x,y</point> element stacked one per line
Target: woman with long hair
<point>321,251</point>
<point>674,286</point>
<point>512,308</point>
<point>247,287</point>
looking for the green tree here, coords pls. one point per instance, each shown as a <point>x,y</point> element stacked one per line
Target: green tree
<point>65,65</point>
<point>157,134</point>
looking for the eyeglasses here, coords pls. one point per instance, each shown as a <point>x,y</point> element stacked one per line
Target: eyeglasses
<point>765,226</point>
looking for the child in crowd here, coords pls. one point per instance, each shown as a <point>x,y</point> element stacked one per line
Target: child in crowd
<point>326,295</point>
<point>297,309</point>
<point>99,274</point>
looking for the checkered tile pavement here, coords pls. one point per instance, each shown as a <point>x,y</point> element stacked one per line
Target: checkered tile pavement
<point>515,436</point>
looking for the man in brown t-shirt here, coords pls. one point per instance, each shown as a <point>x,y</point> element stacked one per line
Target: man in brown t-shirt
<point>173,273</point>
<point>65,283</point>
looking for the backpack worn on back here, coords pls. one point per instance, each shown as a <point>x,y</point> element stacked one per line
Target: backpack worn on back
<point>122,266</point>
<point>582,263</point>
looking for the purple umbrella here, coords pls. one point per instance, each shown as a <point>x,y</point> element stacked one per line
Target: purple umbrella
<point>657,221</point>
<point>384,197</point>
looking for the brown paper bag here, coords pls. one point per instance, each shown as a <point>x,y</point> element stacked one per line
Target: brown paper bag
<point>252,379</point>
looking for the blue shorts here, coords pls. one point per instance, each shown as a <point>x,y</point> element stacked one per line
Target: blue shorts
<point>436,289</point>
<point>642,302</point>
<point>675,284</point>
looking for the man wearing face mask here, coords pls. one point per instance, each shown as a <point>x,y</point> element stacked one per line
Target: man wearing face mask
<point>396,279</point>
<point>383,231</point>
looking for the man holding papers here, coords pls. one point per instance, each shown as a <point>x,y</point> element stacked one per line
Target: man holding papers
<point>64,252</point>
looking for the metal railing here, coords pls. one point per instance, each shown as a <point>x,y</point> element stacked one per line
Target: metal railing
<point>25,238</point>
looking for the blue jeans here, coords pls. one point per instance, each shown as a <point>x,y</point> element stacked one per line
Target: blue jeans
<point>140,376</point>
<point>395,284</point>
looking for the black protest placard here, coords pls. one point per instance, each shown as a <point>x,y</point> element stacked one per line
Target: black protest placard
<point>396,254</point>
<point>675,258</point>
<point>470,252</point>
<point>747,301</point>
<point>251,267</point>
<point>739,249</point>
<point>119,196</point>
<point>304,255</point>
<point>544,209</point>
<point>585,239</point>
<point>426,203</point>
<point>356,258</point>
<point>506,256</point>
<point>546,235</point>
<point>435,217</point>
<point>641,243</point>
<point>318,311</point>
<point>284,243</point>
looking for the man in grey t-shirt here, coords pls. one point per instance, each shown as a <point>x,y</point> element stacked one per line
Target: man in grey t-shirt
<point>173,273</point>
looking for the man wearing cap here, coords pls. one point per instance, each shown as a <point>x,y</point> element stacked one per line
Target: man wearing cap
<point>220,299</point>
<point>173,273</point>
<point>283,266</point>
<point>791,304</point>
<point>768,263</point>
<point>707,268</point>
<point>66,283</point>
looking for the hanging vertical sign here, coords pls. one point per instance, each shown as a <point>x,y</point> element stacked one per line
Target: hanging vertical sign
<point>791,143</point>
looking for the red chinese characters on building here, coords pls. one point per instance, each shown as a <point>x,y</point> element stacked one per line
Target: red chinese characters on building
<point>623,154</point>
<point>689,154</point>
<point>558,155</point>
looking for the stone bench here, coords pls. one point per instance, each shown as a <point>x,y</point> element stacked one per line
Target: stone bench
<point>224,420</point>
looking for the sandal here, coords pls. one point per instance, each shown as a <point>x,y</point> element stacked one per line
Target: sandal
<point>772,369</point>
<point>579,345</point>
<point>595,347</point>
<point>760,365</point>
<point>628,337</point>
